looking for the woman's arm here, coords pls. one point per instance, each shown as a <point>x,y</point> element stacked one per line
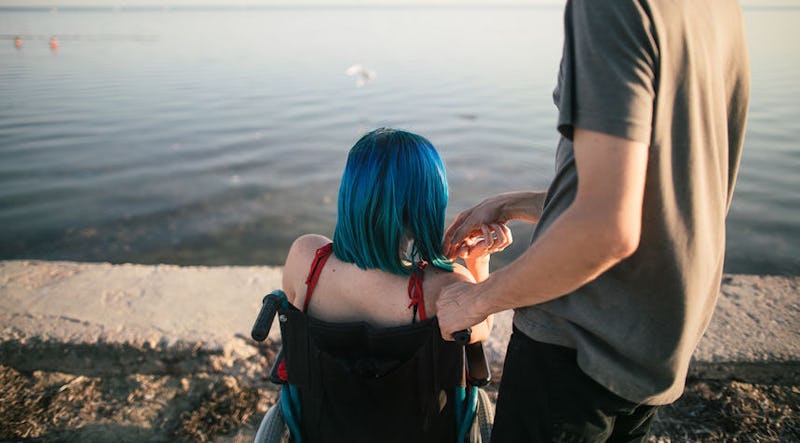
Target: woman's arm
<point>476,250</point>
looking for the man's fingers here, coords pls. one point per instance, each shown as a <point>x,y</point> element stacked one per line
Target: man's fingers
<point>509,237</point>
<point>503,236</point>
<point>499,238</point>
<point>463,250</point>
<point>488,238</point>
<point>447,241</point>
<point>453,236</point>
<point>468,223</point>
<point>450,309</point>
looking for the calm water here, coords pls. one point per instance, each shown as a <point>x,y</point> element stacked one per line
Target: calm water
<point>217,137</point>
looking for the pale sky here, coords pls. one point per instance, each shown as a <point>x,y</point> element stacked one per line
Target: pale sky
<point>123,3</point>
<point>111,3</point>
<point>134,3</point>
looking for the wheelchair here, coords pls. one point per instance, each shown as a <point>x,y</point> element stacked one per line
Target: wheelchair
<point>400,383</point>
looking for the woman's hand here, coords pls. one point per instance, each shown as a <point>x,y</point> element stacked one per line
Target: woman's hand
<point>493,237</point>
<point>475,250</point>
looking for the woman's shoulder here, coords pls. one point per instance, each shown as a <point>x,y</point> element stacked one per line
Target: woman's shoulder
<point>437,279</point>
<point>308,242</point>
<point>302,251</point>
<point>298,261</point>
<point>459,273</point>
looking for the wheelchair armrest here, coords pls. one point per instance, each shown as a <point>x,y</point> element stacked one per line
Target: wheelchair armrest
<point>478,373</point>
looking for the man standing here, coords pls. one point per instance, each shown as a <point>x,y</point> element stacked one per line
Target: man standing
<point>623,273</point>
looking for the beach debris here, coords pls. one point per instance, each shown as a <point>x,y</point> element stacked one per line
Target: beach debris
<point>362,74</point>
<point>77,380</point>
<point>467,116</point>
<point>18,42</point>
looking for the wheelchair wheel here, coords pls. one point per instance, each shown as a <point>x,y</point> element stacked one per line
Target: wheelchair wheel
<point>273,429</point>
<point>481,430</point>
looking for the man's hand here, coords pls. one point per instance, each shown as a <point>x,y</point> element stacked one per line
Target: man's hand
<point>498,209</point>
<point>468,225</point>
<point>456,308</point>
<point>493,238</point>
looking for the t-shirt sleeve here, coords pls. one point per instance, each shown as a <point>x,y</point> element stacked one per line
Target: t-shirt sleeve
<point>607,77</point>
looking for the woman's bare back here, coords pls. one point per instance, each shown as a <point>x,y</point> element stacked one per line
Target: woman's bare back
<point>347,293</point>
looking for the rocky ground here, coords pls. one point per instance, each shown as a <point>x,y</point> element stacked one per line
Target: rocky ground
<point>100,352</point>
<point>226,401</point>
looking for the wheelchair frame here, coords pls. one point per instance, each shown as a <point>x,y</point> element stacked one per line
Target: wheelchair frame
<point>474,410</point>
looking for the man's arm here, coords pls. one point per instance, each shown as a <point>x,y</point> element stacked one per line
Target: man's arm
<point>599,229</point>
<point>517,205</point>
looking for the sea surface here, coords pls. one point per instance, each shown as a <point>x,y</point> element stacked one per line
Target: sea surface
<point>217,136</point>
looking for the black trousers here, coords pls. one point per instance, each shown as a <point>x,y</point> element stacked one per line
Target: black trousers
<point>545,397</point>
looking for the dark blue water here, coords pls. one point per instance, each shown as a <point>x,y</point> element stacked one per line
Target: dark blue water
<point>218,136</point>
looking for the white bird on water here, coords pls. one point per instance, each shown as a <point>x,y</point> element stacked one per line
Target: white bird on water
<point>362,74</point>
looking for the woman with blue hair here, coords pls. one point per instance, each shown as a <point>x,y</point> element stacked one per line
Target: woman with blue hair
<point>377,280</point>
<point>389,229</point>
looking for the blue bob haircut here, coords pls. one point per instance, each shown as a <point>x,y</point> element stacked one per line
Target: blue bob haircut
<point>392,201</point>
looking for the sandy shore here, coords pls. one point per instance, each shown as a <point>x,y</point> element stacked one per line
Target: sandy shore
<point>180,311</point>
<point>101,321</point>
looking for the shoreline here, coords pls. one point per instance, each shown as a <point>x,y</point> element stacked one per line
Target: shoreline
<point>101,352</point>
<point>186,313</point>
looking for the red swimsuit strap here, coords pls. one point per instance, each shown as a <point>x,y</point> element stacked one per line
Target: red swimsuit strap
<point>415,291</point>
<point>320,257</point>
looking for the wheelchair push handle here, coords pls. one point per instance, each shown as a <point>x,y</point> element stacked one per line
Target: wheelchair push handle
<point>462,337</point>
<point>478,373</point>
<point>269,306</point>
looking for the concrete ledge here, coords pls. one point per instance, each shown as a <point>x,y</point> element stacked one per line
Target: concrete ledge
<point>102,358</point>
<point>778,372</point>
<point>111,319</point>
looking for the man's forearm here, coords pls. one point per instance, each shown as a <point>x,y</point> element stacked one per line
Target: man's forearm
<point>600,228</point>
<point>572,252</point>
<point>500,208</point>
<point>522,205</point>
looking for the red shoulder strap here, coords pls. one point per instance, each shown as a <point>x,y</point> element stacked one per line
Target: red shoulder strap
<point>415,291</point>
<point>320,258</point>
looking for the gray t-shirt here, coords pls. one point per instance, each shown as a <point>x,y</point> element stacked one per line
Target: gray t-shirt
<point>674,75</point>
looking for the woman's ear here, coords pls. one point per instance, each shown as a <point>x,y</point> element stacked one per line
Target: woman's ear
<point>406,246</point>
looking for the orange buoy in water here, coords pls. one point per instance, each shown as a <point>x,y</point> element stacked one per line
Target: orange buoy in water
<point>18,42</point>
<point>54,43</point>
